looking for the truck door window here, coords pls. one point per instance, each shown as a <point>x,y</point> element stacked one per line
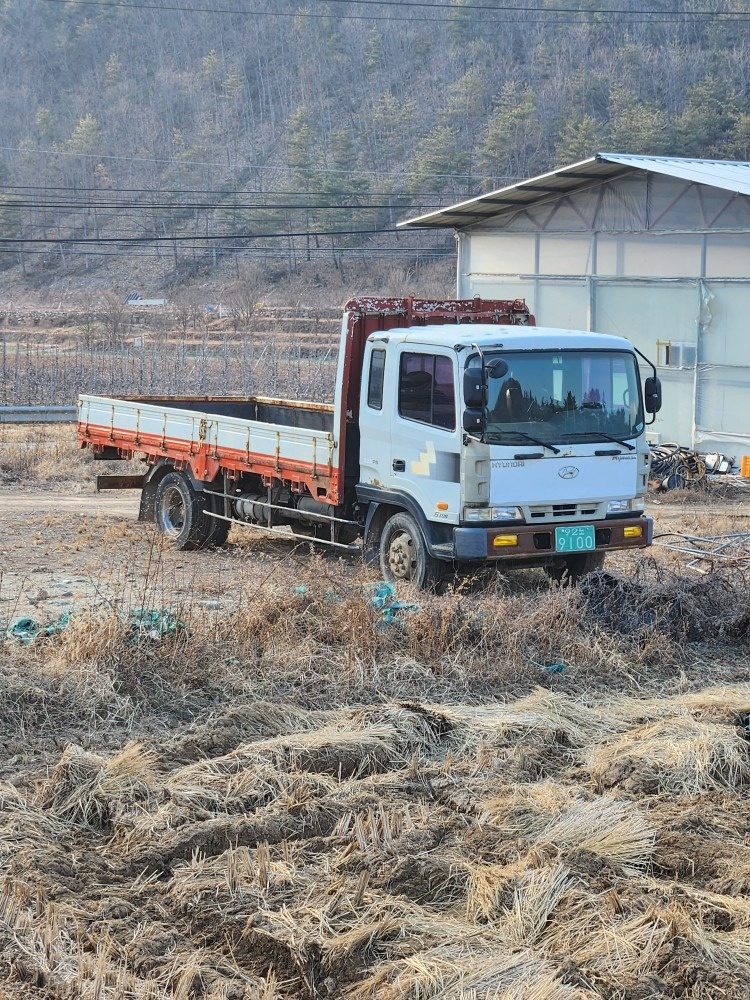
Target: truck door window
<point>375,381</point>
<point>425,390</point>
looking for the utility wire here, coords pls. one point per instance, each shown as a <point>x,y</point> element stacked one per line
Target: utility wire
<point>83,240</point>
<point>213,191</point>
<point>198,163</point>
<point>157,253</point>
<point>455,14</point>
<point>457,10</point>
<point>194,207</point>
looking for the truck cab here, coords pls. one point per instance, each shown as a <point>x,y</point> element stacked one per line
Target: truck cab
<point>510,444</point>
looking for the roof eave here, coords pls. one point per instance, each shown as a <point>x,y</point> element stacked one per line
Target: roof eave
<point>432,219</point>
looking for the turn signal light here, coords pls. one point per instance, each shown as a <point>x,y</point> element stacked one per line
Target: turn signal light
<point>634,531</point>
<point>441,505</point>
<point>503,541</point>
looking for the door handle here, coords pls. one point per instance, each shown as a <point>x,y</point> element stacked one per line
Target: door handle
<point>399,465</point>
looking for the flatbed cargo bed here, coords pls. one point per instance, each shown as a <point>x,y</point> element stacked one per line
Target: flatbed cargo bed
<point>288,440</point>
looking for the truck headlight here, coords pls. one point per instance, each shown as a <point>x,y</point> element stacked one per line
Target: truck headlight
<point>506,513</point>
<point>623,506</point>
<point>492,514</point>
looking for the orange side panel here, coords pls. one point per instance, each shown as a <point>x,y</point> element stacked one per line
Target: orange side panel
<point>205,462</point>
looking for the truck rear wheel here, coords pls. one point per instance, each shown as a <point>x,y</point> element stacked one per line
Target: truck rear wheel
<point>570,569</point>
<point>181,513</point>
<point>404,557</point>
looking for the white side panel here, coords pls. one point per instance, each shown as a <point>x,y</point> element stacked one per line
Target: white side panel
<point>496,253</point>
<point>637,255</point>
<point>675,420</point>
<point>143,418</point>
<point>564,254</point>
<point>563,304</point>
<point>722,410</point>
<point>728,256</point>
<point>293,444</point>
<point>647,313</point>
<point>725,339</point>
<point>500,288</point>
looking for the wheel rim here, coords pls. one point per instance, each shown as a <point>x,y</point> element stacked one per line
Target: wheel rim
<point>172,511</point>
<point>402,555</point>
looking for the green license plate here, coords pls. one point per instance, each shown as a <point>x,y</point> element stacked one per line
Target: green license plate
<point>578,538</point>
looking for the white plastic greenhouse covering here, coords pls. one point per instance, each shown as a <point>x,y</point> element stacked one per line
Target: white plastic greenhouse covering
<point>634,284</point>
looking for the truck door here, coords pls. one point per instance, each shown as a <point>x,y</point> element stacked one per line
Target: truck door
<point>425,448</point>
<point>410,440</point>
<point>425,439</point>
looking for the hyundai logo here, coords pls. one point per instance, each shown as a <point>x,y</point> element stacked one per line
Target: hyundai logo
<point>568,472</point>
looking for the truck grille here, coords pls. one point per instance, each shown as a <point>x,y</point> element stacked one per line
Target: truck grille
<point>565,512</point>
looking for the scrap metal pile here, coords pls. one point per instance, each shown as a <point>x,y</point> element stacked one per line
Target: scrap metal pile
<point>707,552</point>
<point>675,468</point>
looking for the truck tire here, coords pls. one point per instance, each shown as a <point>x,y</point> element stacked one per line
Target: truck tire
<point>180,513</point>
<point>570,569</point>
<point>404,557</point>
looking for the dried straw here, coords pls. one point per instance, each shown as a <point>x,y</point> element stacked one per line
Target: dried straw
<point>614,830</point>
<point>88,789</point>
<point>679,755</point>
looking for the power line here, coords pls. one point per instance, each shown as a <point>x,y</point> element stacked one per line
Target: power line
<point>549,15</point>
<point>158,253</point>
<point>213,191</point>
<point>199,163</point>
<point>311,234</point>
<point>203,206</point>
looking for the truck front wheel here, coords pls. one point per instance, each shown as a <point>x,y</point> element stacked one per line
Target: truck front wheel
<point>570,569</point>
<point>181,513</point>
<point>404,557</point>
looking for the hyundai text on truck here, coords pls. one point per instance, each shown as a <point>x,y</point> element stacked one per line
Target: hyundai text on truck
<point>461,434</point>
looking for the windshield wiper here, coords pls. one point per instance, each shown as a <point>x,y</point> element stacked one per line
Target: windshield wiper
<point>528,437</point>
<point>600,434</point>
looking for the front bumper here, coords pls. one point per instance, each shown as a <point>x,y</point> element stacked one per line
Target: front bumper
<point>537,541</point>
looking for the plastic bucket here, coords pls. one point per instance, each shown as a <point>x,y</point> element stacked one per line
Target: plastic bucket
<point>745,466</point>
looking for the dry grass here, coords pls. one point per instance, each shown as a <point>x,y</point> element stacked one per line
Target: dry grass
<point>286,798</point>
<point>371,851</point>
<point>87,789</point>
<point>42,454</point>
<point>677,756</point>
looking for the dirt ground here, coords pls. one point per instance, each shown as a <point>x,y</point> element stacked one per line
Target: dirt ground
<point>278,790</point>
<point>60,551</point>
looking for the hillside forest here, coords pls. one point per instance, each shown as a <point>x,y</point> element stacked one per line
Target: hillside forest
<point>189,133</point>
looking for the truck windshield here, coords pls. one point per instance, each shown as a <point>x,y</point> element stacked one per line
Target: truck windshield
<point>564,396</point>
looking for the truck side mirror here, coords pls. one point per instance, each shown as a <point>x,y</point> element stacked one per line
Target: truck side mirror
<point>652,394</point>
<point>473,388</point>
<point>473,419</point>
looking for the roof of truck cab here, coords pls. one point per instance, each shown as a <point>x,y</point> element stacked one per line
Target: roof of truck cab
<point>488,335</point>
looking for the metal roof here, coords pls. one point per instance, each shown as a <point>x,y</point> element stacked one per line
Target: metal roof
<point>728,175</point>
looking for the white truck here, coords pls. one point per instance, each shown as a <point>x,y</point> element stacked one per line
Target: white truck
<point>460,435</point>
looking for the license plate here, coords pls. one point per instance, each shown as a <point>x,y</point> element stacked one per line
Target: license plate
<point>578,538</point>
